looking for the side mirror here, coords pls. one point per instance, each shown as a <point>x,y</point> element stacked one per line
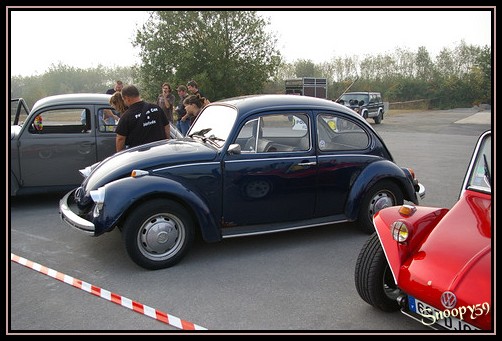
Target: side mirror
<point>234,149</point>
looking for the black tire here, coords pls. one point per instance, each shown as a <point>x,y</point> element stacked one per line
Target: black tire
<point>373,278</point>
<point>383,194</point>
<point>158,234</point>
<point>378,119</point>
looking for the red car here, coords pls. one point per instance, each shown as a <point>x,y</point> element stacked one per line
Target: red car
<point>433,263</point>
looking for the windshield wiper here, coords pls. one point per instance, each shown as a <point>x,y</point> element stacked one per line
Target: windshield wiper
<point>201,132</point>
<point>214,138</point>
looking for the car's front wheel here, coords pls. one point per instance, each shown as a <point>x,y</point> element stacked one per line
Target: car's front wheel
<point>378,119</point>
<point>373,277</point>
<point>383,194</point>
<point>158,233</point>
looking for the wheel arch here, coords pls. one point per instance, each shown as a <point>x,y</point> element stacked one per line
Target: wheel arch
<point>371,175</point>
<point>151,187</point>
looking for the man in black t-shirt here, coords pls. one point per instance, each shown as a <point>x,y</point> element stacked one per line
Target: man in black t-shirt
<point>117,87</point>
<point>141,123</point>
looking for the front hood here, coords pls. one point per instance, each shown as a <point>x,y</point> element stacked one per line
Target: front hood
<point>150,156</point>
<point>456,256</point>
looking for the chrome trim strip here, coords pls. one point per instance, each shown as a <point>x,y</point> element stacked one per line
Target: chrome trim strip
<point>281,230</point>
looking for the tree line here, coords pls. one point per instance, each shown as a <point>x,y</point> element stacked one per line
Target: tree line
<point>229,53</point>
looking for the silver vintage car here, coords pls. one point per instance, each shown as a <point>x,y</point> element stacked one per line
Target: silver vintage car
<point>59,136</point>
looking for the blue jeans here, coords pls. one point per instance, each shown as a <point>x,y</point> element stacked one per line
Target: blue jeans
<point>183,126</point>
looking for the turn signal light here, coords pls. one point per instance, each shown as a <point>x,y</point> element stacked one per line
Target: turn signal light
<point>407,210</point>
<point>136,173</point>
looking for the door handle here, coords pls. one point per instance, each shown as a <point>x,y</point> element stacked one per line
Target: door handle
<point>307,164</point>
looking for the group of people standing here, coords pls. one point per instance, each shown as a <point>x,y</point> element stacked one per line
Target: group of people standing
<point>142,122</point>
<point>179,115</point>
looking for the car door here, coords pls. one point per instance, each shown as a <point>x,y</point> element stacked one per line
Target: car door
<point>105,133</point>
<point>55,144</point>
<point>343,153</point>
<point>274,177</point>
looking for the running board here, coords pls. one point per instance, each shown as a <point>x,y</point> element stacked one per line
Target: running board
<point>241,231</point>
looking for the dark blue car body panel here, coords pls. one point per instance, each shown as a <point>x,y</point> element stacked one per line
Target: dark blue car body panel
<point>236,193</point>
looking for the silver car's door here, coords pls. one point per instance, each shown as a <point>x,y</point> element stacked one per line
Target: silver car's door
<point>55,144</point>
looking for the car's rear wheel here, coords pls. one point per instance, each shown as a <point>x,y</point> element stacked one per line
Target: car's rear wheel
<point>158,234</point>
<point>373,277</point>
<point>383,194</point>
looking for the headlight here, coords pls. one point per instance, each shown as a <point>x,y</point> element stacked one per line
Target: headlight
<point>98,196</point>
<point>399,231</point>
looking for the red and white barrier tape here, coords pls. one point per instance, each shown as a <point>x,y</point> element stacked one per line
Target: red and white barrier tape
<point>107,295</point>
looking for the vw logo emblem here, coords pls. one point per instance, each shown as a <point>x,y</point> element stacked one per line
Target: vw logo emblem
<point>448,299</point>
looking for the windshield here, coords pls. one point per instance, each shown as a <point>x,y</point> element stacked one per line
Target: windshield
<point>215,122</point>
<point>18,111</point>
<point>481,173</point>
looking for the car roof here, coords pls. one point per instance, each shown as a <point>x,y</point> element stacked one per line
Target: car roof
<point>361,92</point>
<point>82,98</point>
<point>246,104</point>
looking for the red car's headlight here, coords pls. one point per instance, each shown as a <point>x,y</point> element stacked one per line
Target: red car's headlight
<point>399,230</point>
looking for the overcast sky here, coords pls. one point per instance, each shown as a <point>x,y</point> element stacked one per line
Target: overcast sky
<point>84,39</point>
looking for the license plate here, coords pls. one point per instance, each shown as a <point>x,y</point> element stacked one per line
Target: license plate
<point>426,310</point>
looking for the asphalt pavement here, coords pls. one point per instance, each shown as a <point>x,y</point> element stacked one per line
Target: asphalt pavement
<point>293,282</point>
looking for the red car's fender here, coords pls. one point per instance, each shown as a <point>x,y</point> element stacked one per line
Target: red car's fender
<point>420,221</point>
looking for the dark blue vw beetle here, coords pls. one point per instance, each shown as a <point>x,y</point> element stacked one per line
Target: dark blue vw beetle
<point>249,165</point>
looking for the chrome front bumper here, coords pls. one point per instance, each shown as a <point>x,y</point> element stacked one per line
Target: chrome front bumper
<point>71,218</point>
<point>421,191</point>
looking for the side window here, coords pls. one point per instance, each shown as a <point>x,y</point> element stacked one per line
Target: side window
<point>335,133</point>
<point>275,133</point>
<point>247,136</point>
<point>61,121</point>
<point>107,120</point>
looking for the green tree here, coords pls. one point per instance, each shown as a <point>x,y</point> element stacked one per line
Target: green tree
<point>228,53</point>
<point>305,68</point>
<point>483,65</point>
<point>423,64</point>
<point>63,79</point>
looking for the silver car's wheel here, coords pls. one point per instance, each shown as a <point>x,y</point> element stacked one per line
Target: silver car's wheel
<point>158,234</point>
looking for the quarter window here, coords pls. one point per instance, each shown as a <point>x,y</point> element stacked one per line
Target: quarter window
<point>335,133</point>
